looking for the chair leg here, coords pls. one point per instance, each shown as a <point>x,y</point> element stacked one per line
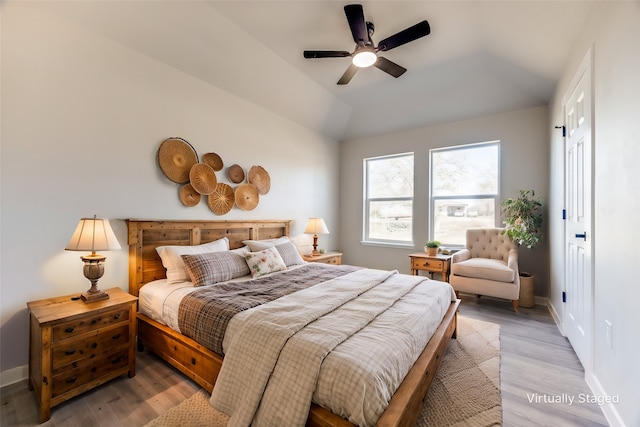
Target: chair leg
<point>515,305</point>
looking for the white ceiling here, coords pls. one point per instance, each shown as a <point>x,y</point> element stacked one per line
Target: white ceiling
<point>481,58</point>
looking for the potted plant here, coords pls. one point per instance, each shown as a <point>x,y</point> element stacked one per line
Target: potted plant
<point>431,247</point>
<point>523,225</point>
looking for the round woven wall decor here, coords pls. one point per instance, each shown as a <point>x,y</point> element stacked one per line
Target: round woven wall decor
<point>222,199</point>
<point>176,157</point>
<point>247,197</point>
<point>235,174</point>
<point>203,178</point>
<point>259,177</point>
<point>213,160</point>
<point>188,196</point>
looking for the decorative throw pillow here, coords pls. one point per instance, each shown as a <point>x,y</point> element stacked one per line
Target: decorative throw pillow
<point>289,253</point>
<point>265,262</point>
<point>172,261</point>
<point>214,267</point>
<point>258,245</point>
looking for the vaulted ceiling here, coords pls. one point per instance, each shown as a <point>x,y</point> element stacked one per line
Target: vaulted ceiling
<point>482,57</point>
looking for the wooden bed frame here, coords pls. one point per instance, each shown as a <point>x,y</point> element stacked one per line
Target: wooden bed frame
<point>202,365</point>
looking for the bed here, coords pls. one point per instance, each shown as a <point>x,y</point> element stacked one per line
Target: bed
<point>203,365</point>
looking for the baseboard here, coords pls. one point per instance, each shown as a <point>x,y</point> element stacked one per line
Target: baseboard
<point>556,318</point>
<point>14,375</point>
<point>608,409</point>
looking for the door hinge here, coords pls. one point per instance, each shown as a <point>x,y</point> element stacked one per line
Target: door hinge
<point>564,296</point>
<point>564,130</point>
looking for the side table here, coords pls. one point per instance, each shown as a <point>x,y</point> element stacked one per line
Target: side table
<point>334,258</point>
<point>432,264</point>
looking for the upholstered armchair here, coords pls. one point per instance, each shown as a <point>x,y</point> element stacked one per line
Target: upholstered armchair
<point>487,266</point>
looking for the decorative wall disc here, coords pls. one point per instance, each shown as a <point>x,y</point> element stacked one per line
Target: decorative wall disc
<point>260,178</point>
<point>247,197</point>
<point>176,157</point>
<point>213,160</point>
<point>203,178</point>
<point>188,196</point>
<point>222,199</point>
<point>235,174</point>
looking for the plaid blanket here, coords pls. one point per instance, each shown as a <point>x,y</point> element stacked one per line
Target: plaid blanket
<point>205,313</point>
<point>276,356</point>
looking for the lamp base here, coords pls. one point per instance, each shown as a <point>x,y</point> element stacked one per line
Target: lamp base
<point>97,296</point>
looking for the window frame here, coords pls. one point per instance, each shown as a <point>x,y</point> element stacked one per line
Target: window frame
<point>366,239</point>
<point>433,199</point>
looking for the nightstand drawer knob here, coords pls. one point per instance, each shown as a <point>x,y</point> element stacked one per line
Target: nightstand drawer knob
<point>94,321</point>
<point>115,337</point>
<point>70,352</point>
<point>69,330</point>
<point>117,316</point>
<point>94,345</point>
<point>116,360</point>
<point>71,380</point>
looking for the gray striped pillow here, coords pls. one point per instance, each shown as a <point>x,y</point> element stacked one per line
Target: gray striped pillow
<point>214,267</point>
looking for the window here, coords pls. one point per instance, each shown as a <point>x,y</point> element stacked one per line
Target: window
<point>388,200</point>
<point>464,190</point>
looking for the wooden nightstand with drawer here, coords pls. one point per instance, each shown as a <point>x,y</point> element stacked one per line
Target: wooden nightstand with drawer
<point>432,264</point>
<point>76,346</point>
<point>334,258</point>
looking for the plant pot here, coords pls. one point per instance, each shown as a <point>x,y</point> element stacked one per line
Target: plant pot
<point>527,286</point>
<point>431,251</point>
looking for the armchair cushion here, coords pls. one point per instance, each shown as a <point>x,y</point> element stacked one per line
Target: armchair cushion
<point>484,268</point>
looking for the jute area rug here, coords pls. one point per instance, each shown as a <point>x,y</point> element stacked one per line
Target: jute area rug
<point>465,391</point>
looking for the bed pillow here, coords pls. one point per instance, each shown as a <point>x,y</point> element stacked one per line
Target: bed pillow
<point>258,245</point>
<point>265,262</point>
<point>290,254</point>
<point>214,267</point>
<point>172,261</point>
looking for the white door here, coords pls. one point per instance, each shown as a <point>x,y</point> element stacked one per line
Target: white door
<point>579,289</point>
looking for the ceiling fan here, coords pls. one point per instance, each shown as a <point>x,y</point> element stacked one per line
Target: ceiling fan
<point>365,53</point>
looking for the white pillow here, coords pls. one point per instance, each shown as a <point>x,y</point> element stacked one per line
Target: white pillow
<point>289,253</point>
<point>258,245</point>
<point>265,262</point>
<point>172,260</point>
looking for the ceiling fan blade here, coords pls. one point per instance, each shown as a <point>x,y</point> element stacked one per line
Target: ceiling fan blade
<point>348,75</point>
<point>389,67</point>
<point>421,29</point>
<point>355,17</point>
<point>326,53</point>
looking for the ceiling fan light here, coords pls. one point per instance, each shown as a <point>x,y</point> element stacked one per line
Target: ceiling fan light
<point>364,58</point>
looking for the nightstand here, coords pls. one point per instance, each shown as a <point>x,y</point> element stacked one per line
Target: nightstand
<point>432,264</point>
<point>334,258</point>
<point>76,346</point>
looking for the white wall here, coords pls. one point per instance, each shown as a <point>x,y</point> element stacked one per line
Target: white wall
<point>613,32</point>
<point>82,119</point>
<point>524,165</point>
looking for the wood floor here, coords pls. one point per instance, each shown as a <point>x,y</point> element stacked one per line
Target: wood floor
<point>536,362</point>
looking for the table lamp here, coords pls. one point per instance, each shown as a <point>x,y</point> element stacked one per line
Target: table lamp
<point>316,226</point>
<point>93,234</point>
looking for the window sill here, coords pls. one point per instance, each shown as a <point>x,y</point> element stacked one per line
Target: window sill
<point>396,245</point>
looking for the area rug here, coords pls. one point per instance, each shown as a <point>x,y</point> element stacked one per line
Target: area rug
<point>465,391</point>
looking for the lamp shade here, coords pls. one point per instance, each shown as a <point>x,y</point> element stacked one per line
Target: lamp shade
<point>316,226</point>
<point>93,234</point>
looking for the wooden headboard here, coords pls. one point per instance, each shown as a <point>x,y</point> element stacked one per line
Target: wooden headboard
<point>144,236</point>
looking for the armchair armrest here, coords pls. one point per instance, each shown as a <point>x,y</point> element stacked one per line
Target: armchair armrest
<point>461,255</point>
<point>512,260</point>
